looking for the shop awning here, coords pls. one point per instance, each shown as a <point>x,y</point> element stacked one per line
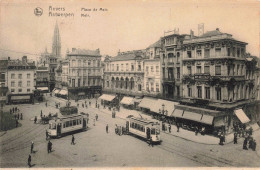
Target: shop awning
<point>63,92</point>
<point>20,97</point>
<point>242,116</point>
<point>177,113</point>
<point>192,116</point>
<point>127,100</point>
<point>43,88</point>
<point>147,102</point>
<point>207,119</point>
<point>137,100</point>
<point>163,105</point>
<point>56,91</point>
<point>218,122</point>
<point>107,97</point>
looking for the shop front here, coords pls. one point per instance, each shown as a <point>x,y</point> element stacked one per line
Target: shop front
<point>20,98</point>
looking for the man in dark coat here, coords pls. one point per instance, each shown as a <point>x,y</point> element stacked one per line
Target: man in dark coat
<point>35,119</point>
<point>107,128</point>
<point>18,116</point>
<point>29,161</point>
<point>21,116</point>
<point>235,138</point>
<point>16,123</point>
<point>47,135</point>
<point>32,144</point>
<point>169,127</point>
<point>72,140</point>
<point>178,127</point>
<point>49,146</point>
<point>150,142</point>
<point>253,145</point>
<point>245,144</point>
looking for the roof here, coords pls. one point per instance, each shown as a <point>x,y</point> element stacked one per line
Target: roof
<point>211,33</point>
<point>85,52</point>
<point>156,44</point>
<point>19,63</point>
<point>3,64</point>
<point>126,56</point>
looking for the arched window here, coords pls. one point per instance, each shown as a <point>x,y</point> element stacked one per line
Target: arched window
<point>122,82</point>
<point>132,83</point>
<point>84,63</point>
<point>126,83</point>
<point>117,82</point>
<point>170,57</point>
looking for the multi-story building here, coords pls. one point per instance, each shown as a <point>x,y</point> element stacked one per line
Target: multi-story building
<point>152,70</point>
<point>84,74</point>
<point>64,73</point>
<point>21,80</point>
<point>58,76</point>
<point>216,73</point>
<point>124,73</point>
<point>171,63</point>
<point>3,81</point>
<point>42,78</point>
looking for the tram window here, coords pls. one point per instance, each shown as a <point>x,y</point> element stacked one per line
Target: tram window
<point>153,131</point>
<point>71,123</point>
<point>53,126</point>
<point>67,124</point>
<point>74,122</point>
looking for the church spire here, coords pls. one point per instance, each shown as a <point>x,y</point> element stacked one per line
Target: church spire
<point>56,44</point>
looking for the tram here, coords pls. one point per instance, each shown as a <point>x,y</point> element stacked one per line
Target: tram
<point>144,128</point>
<point>67,124</point>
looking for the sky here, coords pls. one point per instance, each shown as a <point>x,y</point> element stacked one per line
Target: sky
<point>124,26</point>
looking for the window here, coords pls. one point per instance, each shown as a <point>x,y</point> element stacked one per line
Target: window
<point>189,91</point>
<point>238,52</point>
<point>206,53</point>
<point>147,86</point>
<point>207,92</point>
<point>178,91</point>
<point>139,66</point>
<point>122,67</point>
<point>217,70</point>
<point>127,67</point>
<point>151,69</point>
<point>199,91</point>
<point>189,54</point>
<point>198,69</point>
<point>178,73</point>
<point>238,69</point>
<point>79,63</point>
<point>152,88</point>
<point>157,69</point>
<point>117,67</point>
<point>94,82</point>
<point>218,52</point>
<point>228,52</point>
<point>28,83</point>
<point>228,70</point>
<point>12,90</point>
<point>178,57</point>
<point>89,62</point>
<point>112,67</point>
<point>189,70</point>
<point>139,87</point>
<point>198,53</point>
<point>206,69</point>
<point>28,75</point>
<point>94,63</point>
<point>12,76</point>
<point>234,51</point>
<point>218,93</point>
<point>28,90</point>
<point>147,69</point>
<point>12,84</point>
<point>242,69</point>
<point>157,87</point>
<point>107,84</point>
<point>20,76</point>
<point>19,84</point>
<point>132,67</point>
<point>19,90</point>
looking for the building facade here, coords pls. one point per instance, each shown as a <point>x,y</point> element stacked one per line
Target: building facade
<point>21,80</point>
<point>42,78</point>
<point>3,83</point>
<point>124,74</point>
<point>84,73</point>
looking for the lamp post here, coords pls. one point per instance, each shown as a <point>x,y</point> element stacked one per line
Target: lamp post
<point>163,108</point>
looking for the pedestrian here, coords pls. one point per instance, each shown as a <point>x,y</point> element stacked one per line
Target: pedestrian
<point>98,106</point>
<point>21,116</point>
<point>10,111</point>
<point>178,126</point>
<point>46,104</point>
<point>86,105</point>
<point>41,113</point>
<point>150,142</point>
<point>13,109</point>
<point>196,130</point>
<point>169,127</point>
<point>47,135</point>
<point>85,102</point>
<point>221,139</point>
<point>72,140</point>
<point>32,145</point>
<point>245,144</point>
<point>235,138</point>
<point>250,131</point>
<point>29,161</point>
<point>107,128</point>
<point>96,117</point>
<point>94,121</point>
<point>253,145</point>
<point>14,116</point>
<point>49,146</point>
<point>35,119</point>
<point>18,116</point>
<point>16,123</point>
<point>77,104</point>
<point>82,105</point>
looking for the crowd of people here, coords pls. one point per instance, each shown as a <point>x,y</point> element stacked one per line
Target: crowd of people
<point>17,115</point>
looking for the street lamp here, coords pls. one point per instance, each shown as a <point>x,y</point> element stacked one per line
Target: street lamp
<point>163,108</point>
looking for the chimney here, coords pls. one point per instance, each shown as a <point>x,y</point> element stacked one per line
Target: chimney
<point>9,58</point>
<point>24,59</point>
<point>191,34</point>
<point>217,29</point>
<point>73,49</point>
<point>118,52</point>
<point>98,51</point>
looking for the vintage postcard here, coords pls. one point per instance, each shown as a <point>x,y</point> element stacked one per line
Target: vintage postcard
<point>119,84</point>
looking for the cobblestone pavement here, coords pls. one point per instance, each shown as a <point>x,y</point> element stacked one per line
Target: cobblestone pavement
<point>96,148</point>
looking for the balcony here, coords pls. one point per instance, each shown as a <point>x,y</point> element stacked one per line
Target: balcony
<point>123,91</point>
<point>201,76</point>
<point>228,78</point>
<point>169,79</point>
